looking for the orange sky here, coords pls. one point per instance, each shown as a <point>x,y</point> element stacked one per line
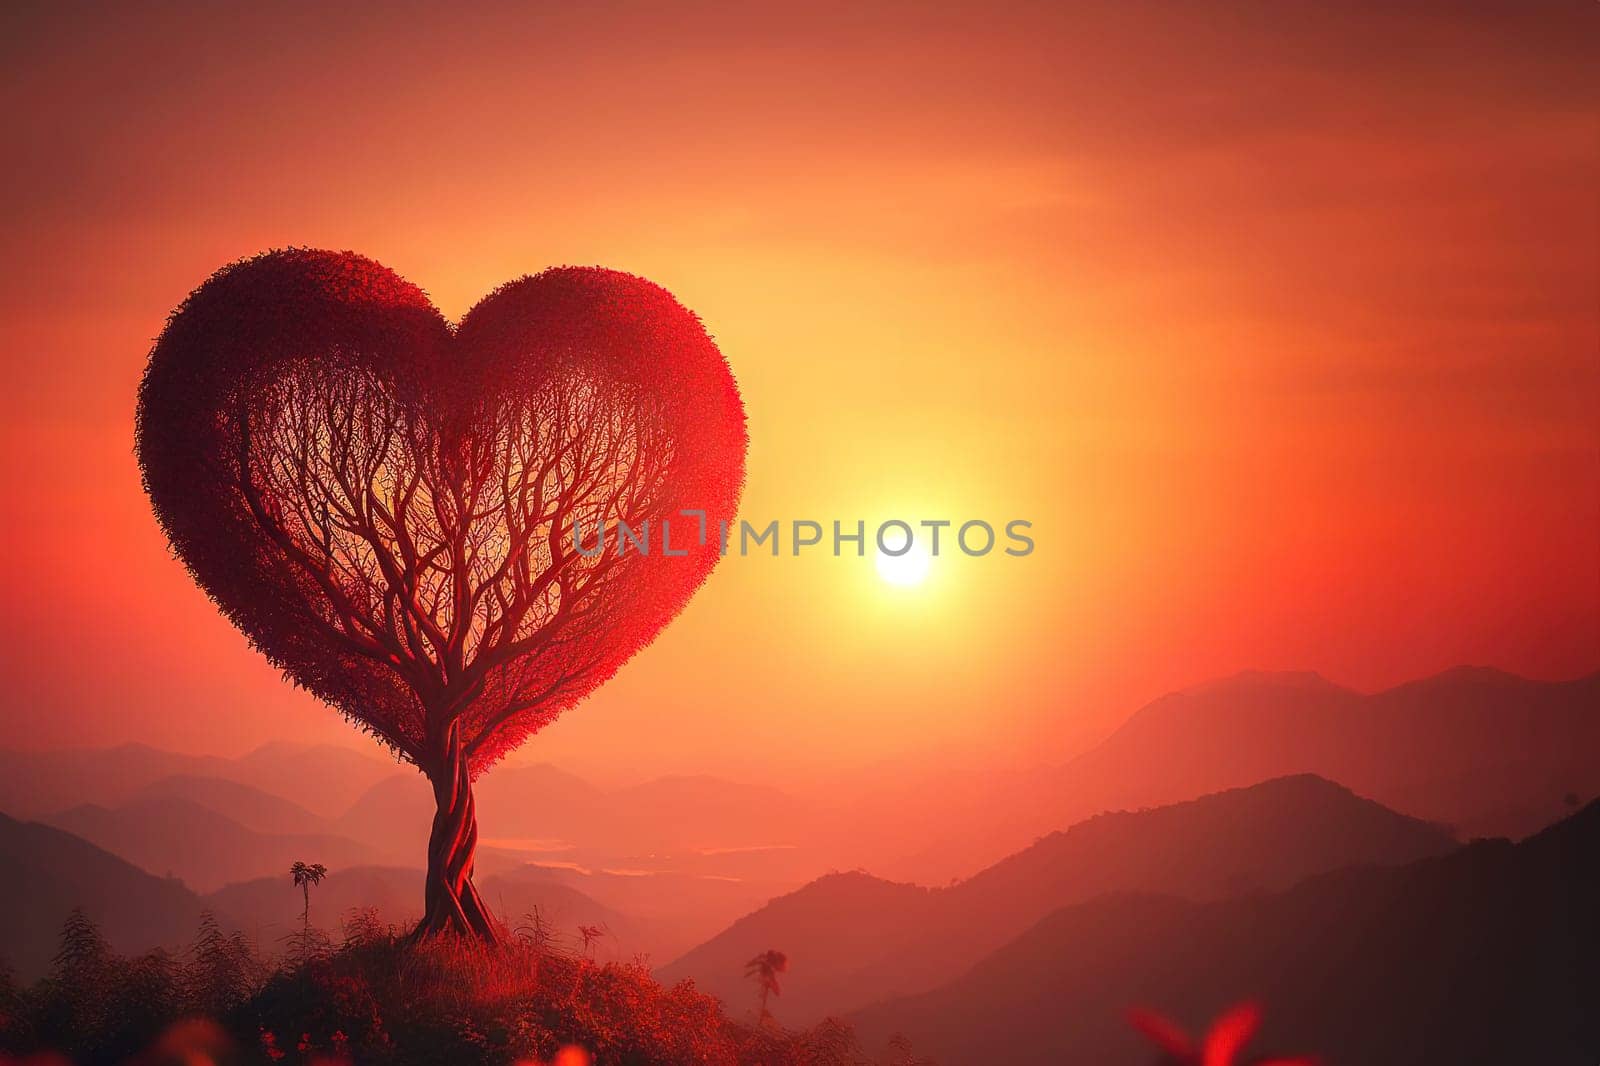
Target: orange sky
<point>1279,323</point>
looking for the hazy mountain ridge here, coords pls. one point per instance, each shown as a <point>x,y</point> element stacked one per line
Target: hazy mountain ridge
<point>680,857</point>
<point>51,871</point>
<point>854,938</point>
<point>127,798</point>
<point>1446,728</point>
<point>686,814</point>
<point>320,778</point>
<point>1488,955</point>
<point>1479,748</point>
<point>251,807</point>
<point>48,872</point>
<point>684,856</point>
<point>1483,750</point>
<point>177,837</point>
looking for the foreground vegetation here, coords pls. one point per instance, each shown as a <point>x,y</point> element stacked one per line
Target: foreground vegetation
<point>378,998</point>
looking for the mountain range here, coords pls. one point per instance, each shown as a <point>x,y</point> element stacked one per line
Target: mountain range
<point>661,865</point>
<point>213,822</point>
<point>1487,956</point>
<point>321,778</point>
<point>676,862</point>
<point>1485,751</point>
<point>177,837</point>
<point>853,938</point>
<point>49,872</point>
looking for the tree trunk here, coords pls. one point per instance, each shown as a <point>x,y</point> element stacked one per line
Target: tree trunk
<point>453,905</point>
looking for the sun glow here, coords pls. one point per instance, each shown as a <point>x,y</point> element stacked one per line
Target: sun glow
<point>905,570</point>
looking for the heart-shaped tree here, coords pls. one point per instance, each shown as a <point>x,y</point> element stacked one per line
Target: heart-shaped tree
<point>391,508</point>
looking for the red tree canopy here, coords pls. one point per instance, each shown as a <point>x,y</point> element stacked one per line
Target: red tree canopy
<point>384,504</point>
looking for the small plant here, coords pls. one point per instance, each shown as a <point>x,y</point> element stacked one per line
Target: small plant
<point>1223,1044</point>
<point>590,934</point>
<point>535,931</point>
<point>362,925</point>
<point>306,875</point>
<point>308,941</point>
<point>764,970</point>
<point>221,970</point>
<point>382,998</point>
<point>901,1053</point>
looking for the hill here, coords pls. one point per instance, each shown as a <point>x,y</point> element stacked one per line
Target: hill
<point>518,895</point>
<point>36,782</point>
<point>48,872</point>
<point>535,808</point>
<point>322,778</point>
<point>542,809</point>
<point>1485,751</point>
<point>1489,955</point>
<point>1471,746</point>
<point>696,812</point>
<point>853,938</point>
<point>251,807</point>
<point>377,997</point>
<point>179,838</point>
<point>685,855</point>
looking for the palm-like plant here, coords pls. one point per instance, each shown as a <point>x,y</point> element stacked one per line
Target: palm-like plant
<point>764,970</point>
<point>306,875</point>
<point>590,934</point>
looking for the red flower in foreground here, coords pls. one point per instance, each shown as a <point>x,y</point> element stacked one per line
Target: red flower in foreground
<point>1222,1046</point>
<point>269,1044</point>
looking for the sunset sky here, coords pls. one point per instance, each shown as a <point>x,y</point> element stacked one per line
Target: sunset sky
<point>1278,322</point>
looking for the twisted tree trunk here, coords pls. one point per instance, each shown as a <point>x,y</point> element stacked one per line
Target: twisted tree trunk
<point>453,904</point>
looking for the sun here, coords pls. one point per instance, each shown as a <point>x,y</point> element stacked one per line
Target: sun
<point>905,570</point>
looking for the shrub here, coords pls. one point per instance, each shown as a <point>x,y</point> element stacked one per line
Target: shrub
<point>382,999</point>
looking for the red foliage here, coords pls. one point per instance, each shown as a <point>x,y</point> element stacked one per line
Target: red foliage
<point>386,1001</point>
<point>1224,1042</point>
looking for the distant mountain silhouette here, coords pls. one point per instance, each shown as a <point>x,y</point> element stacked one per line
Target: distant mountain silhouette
<point>389,806</point>
<point>1489,955</point>
<point>679,908</point>
<point>37,782</point>
<point>1490,753</point>
<point>701,811</point>
<point>168,835</point>
<point>542,802</point>
<point>853,938</point>
<point>523,805</point>
<point>685,854</point>
<point>249,806</point>
<point>321,778</point>
<point>1472,746</point>
<point>517,894</point>
<point>47,872</point>
<point>543,808</point>
<point>832,929</point>
<point>396,813</point>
